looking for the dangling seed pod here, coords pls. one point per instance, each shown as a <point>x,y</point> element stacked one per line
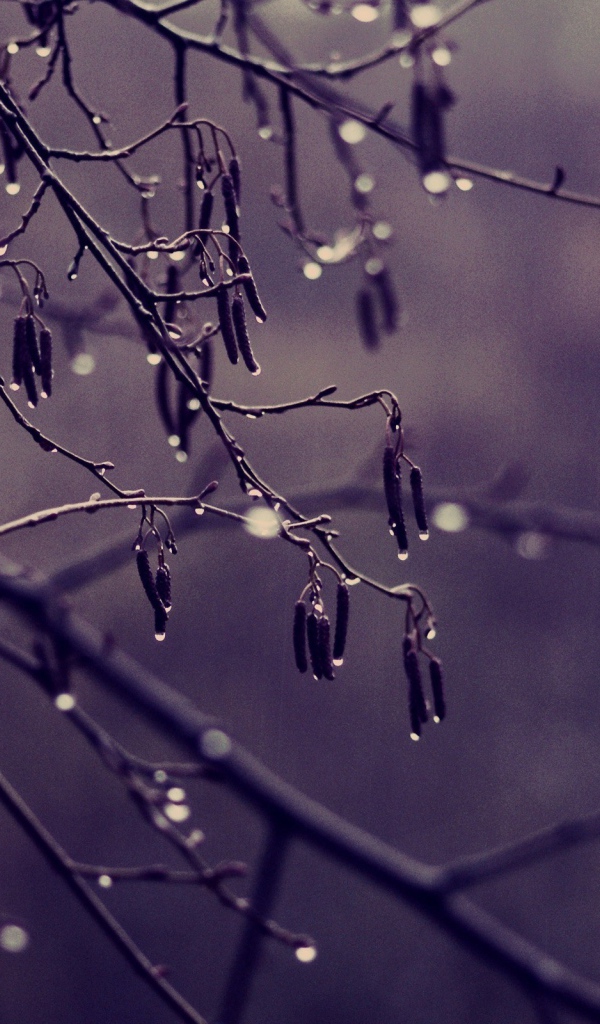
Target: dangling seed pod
<point>32,344</point>
<point>388,299</point>
<point>171,286</point>
<point>46,371</point>
<point>251,291</point>
<point>29,378</point>
<point>427,128</point>
<point>234,170</point>
<point>226,324</point>
<point>392,483</point>
<point>416,699</point>
<point>416,486</point>
<point>314,645</point>
<point>162,398</point>
<point>230,203</point>
<point>437,689</point>
<point>342,614</point>
<point>324,629</point>
<point>163,585</point>
<point>148,582</point>
<point>238,314</point>
<point>206,208</point>
<point>299,634</point>
<point>365,312</point>
<point>19,355</point>
<point>160,622</point>
<point>206,368</point>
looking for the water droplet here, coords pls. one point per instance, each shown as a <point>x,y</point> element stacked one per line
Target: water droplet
<point>43,51</point>
<point>195,837</point>
<point>382,230</point>
<point>364,184</point>
<point>13,188</point>
<point>338,661</point>
<point>414,736</point>
<point>532,544</point>
<point>199,511</point>
<point>352,131</point>
<point>97,119</point>
<point>177,256</point>
<point>105,881</point>
<point>406,59</point>
<point>441,56</point>
<point>374,266</point>
<point>306,954</point>
<point>152,254</point>
<point>464,184</point>
<point>31,405</point>
<point>181,456</point>
<point>215,744</point>
<point>312,271</point>
<point>424,535</point>
<point>450,517</point>
<point>160,776</point>
<point>424,15</point>
<point>260,319</point>
<point>64,702</point>
<point>266,131</point>
<point>132,507</point>
<point>351,581</point>
<point>325,252</point>
<point>159,636</point>
<point>177,812</point>
<point>436,182</point>
<point>3,249</point>
<point>436,719</point>
<point>154,358</point>
<point>174,440</point>
<point>403,555</point>
<point>364,12</point>
<point>12,48</point>
<point>262,522</point>
<point>277,506</point>
<point>13,938</point>
<point>193,404</point>
<point>431,633</point>
<point>14,387</point>
<point>83,364</point>
<point>176,794</point>
<point>254,492</point>
<point>256,372</point>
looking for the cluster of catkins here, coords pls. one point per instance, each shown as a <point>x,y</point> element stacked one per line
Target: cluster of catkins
<point>32,356</point>
<point>392,485</point>
<point>157,587</point>
<point>313,630</point>
<point>231,312</point>
<point>418,707</point>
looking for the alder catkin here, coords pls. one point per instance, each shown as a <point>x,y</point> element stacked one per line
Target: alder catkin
<point>206,208</point>
<point>299,634</point>
<point>367,324</point>
<point>147,577</point>
<point>32,344</point>
<point>416,486</point>
<point>342,613</point>
<point>427,127</point>
<point>226,324</point>
<point>234,171</point>
<point>413,674</point>
<point>162,397</point>
<point>437,689</point>
<point>163,585</point>
<point>238,314</point>
<point>324,630</point>
<point>251,291</point>
<point>19,352</point>
<point>314,646</point>
<point>46,370</point>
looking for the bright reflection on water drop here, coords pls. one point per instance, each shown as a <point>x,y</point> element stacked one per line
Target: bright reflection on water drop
<point>382,230</point>
<point>424,15</point>
<point>12,48</point>
<point>306,954</point>
<point>64,702</point>
<point>43,51</point>
<point>312,271</point>
<point>364,184</point>
<point>532,544</point>
<point>13,938</point>
<point>464,184</point>
<point>83,364</point>
<point>193,404</point>
<point>174,440</point>
<point>415,737</point>
<point>424,535</point>
<point>105,881</point>
<point>352,131</point>
<point>177,812</point>
<point>364,12</point>
<point>3,249</point>
<point>373,266</point>
<point>160,775</point>
<point>441,56</point>
<point>338,661</point>
<point>178,256</point>
<point>436,182</point>
<point>325,252</point>
<point>159,636</point>
<point>266,132</point>
<point>403,555</point>
<point>152,254</point>
<point>176,794</point>
<point>262,522</point>
<point>352,581</point>
<point>450,517</point>
<point>406,59</point>
<point>13,188</point>
<point>199,511</point>
<point>181,456</point>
